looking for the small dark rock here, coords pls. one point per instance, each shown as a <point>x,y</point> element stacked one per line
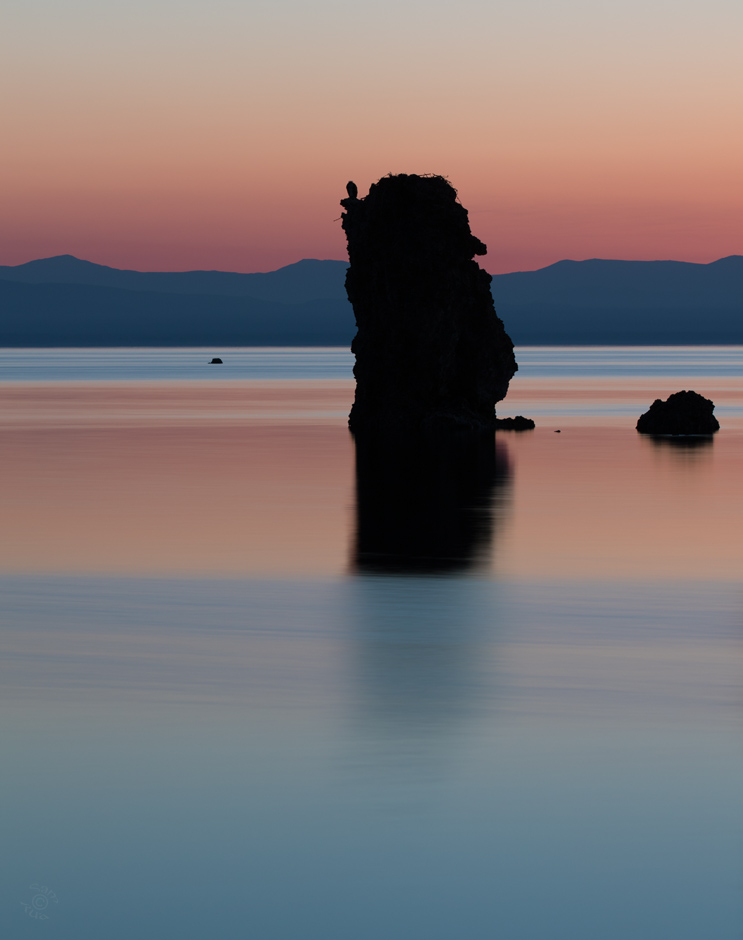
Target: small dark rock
<point>682,413</point>
<point>216,361</point>
<point>519,423</point>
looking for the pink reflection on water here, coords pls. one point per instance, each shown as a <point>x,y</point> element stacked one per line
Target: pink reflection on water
<point>239,479</point>
<point>220,481</point>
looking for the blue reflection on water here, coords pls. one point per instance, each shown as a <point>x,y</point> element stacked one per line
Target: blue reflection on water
<point>625,361</point>
<point>397,757</point>
<point>173,364</point>
<point>192,364</point>
<point>372,757</point>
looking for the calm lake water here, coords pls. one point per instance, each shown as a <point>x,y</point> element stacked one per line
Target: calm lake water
<point>222,716</point>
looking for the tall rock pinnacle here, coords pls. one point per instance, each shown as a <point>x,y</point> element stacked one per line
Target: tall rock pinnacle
<point>430,350</point>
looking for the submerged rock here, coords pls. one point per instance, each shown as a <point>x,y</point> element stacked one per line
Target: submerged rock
<point>430,350</point>
<point>681,413</point>
<point>519,423</point>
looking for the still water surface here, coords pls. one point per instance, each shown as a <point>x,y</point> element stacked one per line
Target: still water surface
<point>220,719</point>
<point>193,364</point>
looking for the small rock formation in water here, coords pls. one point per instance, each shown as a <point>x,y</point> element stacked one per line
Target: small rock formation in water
<point>682,413</point>
<point>430,350</point>
<point>519,423</point>
<point>216,361</point>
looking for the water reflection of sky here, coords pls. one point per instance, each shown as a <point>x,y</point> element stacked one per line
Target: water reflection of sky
<point>372,756</point>
<point>85,490</point>
<point>285,363</point>
<point>216,721</point>
<point>628,361</point>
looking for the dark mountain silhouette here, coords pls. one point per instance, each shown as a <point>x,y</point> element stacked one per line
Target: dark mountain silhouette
<point>66,301</point>
<point>293,284</point>
<point>622,284</point>
<point>632,302</point>
<point>84,315</point>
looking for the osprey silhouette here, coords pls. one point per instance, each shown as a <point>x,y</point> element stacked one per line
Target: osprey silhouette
<point>352,189</point>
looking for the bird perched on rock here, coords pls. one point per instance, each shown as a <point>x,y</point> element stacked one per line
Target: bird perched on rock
<point>352,189</point>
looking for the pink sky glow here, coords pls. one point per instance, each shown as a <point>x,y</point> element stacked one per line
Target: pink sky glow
<point>167,136</point>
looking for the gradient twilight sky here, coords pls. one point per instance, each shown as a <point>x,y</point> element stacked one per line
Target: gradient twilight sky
<point>168,136</point>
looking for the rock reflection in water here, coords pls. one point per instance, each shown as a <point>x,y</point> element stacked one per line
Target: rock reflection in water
<point>682,450</point>
<point>425,503</point>
<point>683,443</point>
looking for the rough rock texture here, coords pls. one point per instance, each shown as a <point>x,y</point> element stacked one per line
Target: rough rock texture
<point>682,413</point>
<point>519,423</point>
<point>430,349</point>
<point>426,502</point>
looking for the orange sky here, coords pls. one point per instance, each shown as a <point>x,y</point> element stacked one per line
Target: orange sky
<point>171,136</point>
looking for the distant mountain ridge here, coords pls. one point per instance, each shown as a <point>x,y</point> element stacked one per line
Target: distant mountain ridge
<point>608,284</point>
<point>64,301</point>
<point>292,284</point>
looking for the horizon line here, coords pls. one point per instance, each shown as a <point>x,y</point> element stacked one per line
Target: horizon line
<point>346,262</point>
